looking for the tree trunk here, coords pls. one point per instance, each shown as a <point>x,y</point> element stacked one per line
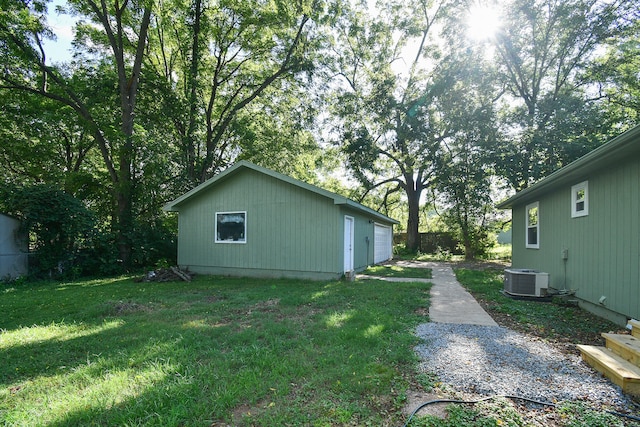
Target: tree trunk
<point>128,88</point>
<point>469,251</point>
<point>124,217</point>
<point>190,137</point>
<point>413,198</point>
<point>467,238</point>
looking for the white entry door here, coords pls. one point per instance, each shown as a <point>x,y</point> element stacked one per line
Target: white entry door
<point>348,243</point>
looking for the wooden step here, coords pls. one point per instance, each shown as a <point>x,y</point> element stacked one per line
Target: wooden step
<point>635,327</point>
<point>612,366</point>
<point>625,346</point>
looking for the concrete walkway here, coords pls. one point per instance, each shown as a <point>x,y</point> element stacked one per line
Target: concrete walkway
<point>450,302</point>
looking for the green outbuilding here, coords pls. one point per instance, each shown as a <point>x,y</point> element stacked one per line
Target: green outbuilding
<point>250,221</point>
<point>581,225</point>
<point>14,248</point>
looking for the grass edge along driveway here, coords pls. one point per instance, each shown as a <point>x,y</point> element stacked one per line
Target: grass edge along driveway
<point>216,351</point>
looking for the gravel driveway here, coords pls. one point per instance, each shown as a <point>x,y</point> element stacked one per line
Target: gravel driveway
<point>490,360</point>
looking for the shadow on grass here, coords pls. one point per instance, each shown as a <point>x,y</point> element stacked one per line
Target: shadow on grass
<point>176,354</point>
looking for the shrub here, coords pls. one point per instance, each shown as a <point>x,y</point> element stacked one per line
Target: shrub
<point>57,223</point>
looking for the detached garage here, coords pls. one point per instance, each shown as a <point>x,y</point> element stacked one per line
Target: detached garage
<point>252,221</point>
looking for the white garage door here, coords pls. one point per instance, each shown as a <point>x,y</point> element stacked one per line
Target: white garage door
<point>383,243</point>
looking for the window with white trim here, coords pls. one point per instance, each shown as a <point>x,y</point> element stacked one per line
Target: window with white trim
<point>580,199</point>
<point>231,227</point>
<point>533,226</point>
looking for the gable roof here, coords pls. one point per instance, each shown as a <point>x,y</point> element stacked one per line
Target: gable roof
<point>624,146</point>
<point>244,165</point>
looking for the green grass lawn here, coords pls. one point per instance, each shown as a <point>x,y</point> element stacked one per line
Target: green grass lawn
<point>242,352</point>
<point>398,271</point>
<point>552,320</point>
<point>216,351</point>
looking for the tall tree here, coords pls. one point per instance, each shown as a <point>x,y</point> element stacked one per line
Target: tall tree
<point>218,60</point>
<point>616,75</point>
<point>391,80</point>
<point>464,172</point>
<point>169,88</point>
<point>41,143</point>
<point>119,32</point>
<point>542,51</point>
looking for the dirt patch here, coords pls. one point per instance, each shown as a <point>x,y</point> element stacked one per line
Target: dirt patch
<point>242,414</point>
<point>481,265</point>
<point>118,308</point>
<point>417,398</point>
<point>533,415</point>
<point>472,265</point>
<point>422,311</point>
<point>215,298</point>
<point>268,306</point>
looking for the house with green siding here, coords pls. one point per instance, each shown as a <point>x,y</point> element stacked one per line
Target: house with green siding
<point>581,224</point>
<point>254,222</point>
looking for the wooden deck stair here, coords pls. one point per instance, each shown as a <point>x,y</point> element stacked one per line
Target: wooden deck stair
<point>619,360</point>
<point>635,328</point>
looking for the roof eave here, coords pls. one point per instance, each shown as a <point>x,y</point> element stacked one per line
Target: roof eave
<point>367,210</point>
<point>174,205</point>
<point>617,147</point>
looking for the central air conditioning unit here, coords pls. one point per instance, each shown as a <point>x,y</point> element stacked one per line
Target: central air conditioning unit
<point>523,282</point>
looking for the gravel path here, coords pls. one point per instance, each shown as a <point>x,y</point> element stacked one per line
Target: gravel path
<point>490,360</point>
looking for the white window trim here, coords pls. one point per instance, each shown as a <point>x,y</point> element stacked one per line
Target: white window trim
<point>575,213</point>
<point>526,223</point>
<point>241,242</point>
